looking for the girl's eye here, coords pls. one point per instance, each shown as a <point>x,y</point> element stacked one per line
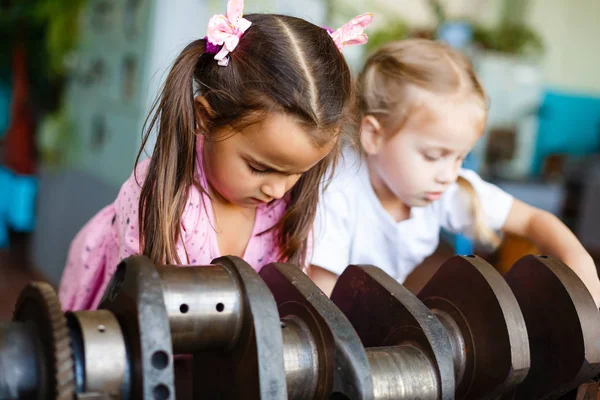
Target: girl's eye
<point>429,157</point>
<point>257,171</point>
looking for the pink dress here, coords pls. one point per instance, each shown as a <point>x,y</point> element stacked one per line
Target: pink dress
<point>113,234</point>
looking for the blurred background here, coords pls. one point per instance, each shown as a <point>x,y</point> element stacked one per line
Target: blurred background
<point>77,78</point>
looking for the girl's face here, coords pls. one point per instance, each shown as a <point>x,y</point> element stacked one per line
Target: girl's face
<point>260,162</point>
<point>419,162</point>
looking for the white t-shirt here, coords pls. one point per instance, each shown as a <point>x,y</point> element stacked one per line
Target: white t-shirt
<point>352,227</point>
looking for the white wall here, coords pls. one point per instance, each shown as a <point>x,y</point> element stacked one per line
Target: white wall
<point>570,29</point>
<point>417,12</point>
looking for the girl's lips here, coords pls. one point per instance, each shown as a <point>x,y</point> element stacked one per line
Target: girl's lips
<point>431,196</point>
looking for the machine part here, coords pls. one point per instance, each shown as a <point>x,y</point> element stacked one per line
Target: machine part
<point>104,354</point>
<point>204,306</point>
<point>563,326</point>
<point>38,307</point>
<point>402,372</point>
<point>19,361</point>
<point>343,366</point>
<point>135,297</point>
<point>488,332</point>
<point>300,359</point>
<point>385,314</point>
<point>253,368</point>
<point>457,341</point>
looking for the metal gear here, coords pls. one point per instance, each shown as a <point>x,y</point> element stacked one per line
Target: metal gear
<point>38,305</point>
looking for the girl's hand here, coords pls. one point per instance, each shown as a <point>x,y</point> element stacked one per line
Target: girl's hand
<point>585,268</point>
<point>324,279</point>
<point>552,237</point>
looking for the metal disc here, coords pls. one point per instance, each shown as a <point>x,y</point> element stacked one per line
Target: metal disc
<point>104,353</point>
<point>491,324</point>
<point>134,296</point>
<point>563,326</point>
<point>253,367</point>
<point>38,305</point>
<point>339,345</point>
<point>384,313</point>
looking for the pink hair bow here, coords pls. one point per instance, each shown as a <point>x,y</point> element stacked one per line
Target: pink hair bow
<point>227,30</point>
<point>351,33</point>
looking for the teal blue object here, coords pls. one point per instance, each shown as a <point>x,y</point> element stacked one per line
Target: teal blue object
<point>5,182</point>
<point>463,245</point>
<point>5,95</point>
<point>3,237</point>
<point>569,123</point>
<point>21,217</point>
<point>17,203</point>
<point>457,34</point>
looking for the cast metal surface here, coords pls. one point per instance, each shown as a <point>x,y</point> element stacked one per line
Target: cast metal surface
<point>300,359</point>
<point>19,361</point>
<point>135,297</point>
<point>204,306</point>
<point>253,367</point>
<point>563,326</point>
<point>344,369</point>
<point>465,336</point>
<point>491,326</point>
<point>105,364</point>
<point>38,307</point>
<point>402,372</point>
<point>385,314</point>
<point>457,341</point>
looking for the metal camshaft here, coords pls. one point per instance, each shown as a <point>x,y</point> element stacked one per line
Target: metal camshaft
<point>237,334</point>
<point>533,335</point>
<point>221,318</point>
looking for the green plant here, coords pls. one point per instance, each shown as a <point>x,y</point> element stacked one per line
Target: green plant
<point>511,35</point>
<point>47,28</point>
<point>510,39</point>
<point>47,31</point>
<point>395,30</point>
<point>438,10</point>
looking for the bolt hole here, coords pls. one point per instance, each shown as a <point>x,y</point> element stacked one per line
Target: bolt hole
<point>470,256</point>
<point>161,392</point>
<point>220,307</point>
<point>544,257</point>
<point>184,308</point>
<point>101,328</point>
<point>160,359</point>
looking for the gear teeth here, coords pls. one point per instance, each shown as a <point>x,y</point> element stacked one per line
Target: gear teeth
<point>62,351</point>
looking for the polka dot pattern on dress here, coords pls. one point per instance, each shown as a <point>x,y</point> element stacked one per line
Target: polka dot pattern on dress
<point>113,234</point>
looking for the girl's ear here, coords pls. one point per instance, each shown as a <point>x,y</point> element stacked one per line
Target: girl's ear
<point>204,113</point>
<point>372,136</point>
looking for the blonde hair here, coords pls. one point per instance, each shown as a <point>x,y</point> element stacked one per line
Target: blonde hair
<point>389,85</point>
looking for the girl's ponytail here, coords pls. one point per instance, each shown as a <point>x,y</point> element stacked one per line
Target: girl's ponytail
<point>481,231</point>
<point>171,170</point>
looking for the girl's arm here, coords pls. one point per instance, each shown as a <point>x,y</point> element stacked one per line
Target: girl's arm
<point>552,237</point>
<point>324,279</point>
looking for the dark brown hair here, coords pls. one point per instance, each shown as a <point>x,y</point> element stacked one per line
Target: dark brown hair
<point>281,64</point>
<point>387,91</point>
